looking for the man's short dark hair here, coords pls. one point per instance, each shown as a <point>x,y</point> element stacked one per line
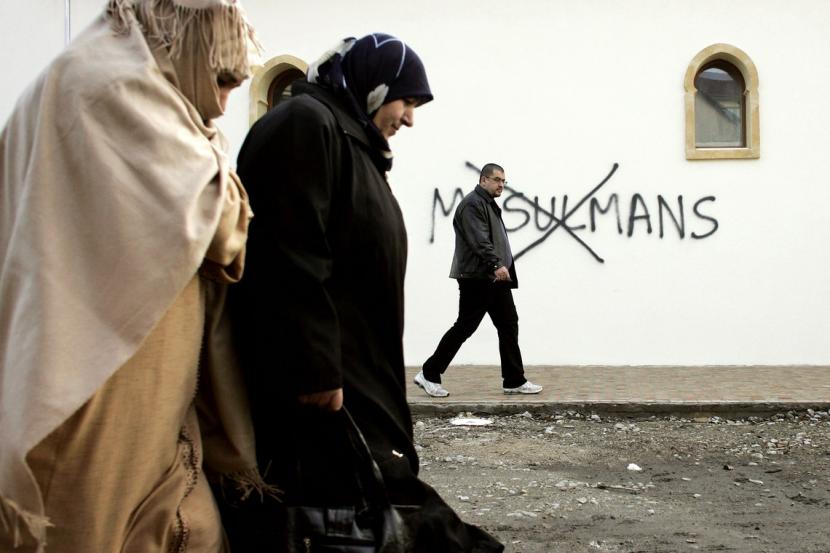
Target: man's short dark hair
<point>489,169</point>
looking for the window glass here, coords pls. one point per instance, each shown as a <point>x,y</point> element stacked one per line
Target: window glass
<point>720,107</point>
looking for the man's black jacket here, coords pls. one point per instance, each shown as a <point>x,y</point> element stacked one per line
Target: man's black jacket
<point>481,244</point>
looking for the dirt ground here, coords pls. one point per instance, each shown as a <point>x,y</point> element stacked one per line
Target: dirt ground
<point>575,483</point>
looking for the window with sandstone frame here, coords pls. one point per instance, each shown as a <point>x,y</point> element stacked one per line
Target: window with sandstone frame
<point>722,111</point>
<point>271,83</point>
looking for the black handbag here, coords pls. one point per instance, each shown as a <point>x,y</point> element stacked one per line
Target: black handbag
<point>372,525</point>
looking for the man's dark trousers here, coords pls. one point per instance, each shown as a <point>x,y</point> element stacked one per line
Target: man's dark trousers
<point>477,297</point>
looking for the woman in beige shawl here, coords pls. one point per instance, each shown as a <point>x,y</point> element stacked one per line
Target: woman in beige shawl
<point>115,192</point>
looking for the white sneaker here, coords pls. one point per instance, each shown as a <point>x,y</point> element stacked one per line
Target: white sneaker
<point>431,388</point>
<point>526,388</point>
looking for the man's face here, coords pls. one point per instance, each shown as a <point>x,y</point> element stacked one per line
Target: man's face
<point>394,115</point>
<point>494,184</point>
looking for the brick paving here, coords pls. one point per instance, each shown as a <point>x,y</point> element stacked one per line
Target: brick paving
<point>738,390</point>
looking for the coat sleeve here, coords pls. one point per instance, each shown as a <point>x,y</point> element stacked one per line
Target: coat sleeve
<point>290,166</point>
<point>474,227</point>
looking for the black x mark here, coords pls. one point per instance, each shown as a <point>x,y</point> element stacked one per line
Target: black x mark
<point>557,222</point>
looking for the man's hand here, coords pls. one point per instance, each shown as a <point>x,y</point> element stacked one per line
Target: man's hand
<point>502,274</point>
<point>329,400</point>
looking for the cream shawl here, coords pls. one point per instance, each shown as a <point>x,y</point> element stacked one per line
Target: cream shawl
<point>111,188</point>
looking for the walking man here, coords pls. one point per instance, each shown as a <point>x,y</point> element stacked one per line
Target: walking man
<point>483,265</point>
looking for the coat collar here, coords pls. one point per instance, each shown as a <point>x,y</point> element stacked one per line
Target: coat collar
<point>349,124</point>
<point>484,194</point>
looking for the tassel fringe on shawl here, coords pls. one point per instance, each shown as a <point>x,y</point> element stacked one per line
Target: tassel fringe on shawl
<point>245,483</point>
<point>170,24</point>
<point>11,518</point>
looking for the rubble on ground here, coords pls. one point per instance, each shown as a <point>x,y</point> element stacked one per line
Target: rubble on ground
<point>545,483</point>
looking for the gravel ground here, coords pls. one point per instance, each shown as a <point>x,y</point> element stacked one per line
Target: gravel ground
<point>574,482</point>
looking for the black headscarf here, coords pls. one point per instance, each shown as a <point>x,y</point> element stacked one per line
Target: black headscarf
<point>369,72</point>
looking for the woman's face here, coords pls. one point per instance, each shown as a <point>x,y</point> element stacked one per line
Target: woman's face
<point>394,115</point>
<point>227,81</point>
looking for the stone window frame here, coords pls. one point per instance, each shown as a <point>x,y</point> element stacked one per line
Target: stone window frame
<point>262,79</point>
<point>744,64</point>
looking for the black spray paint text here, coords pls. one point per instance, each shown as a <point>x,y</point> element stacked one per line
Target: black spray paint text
<point>630,216</point>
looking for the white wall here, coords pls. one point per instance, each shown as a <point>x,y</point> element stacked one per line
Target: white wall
<point>557,91</point>
<point>31,33</point>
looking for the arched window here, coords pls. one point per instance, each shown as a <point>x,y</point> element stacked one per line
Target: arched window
<point>722,105</point>
<point>271,83</point>
<point>280,87</point>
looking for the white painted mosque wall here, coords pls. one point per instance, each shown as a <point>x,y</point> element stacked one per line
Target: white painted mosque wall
<point>557,92</point>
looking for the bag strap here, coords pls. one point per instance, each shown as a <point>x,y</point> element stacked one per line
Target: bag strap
<point>371,472</point>
<point>391,537</point>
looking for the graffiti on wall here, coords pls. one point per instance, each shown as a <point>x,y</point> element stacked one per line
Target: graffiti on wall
<point>667,215</point>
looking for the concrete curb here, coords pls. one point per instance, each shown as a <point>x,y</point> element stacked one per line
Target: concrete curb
<point>690,409</point>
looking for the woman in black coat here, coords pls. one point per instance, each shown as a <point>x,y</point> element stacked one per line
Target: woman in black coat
<point>318,317</point>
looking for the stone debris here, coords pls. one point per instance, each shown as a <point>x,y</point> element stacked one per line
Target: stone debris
<point>569,484</point>
<point>545,479</point>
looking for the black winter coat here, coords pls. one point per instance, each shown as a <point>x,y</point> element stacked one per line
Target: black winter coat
<point>321,306</point>
<point>321,303</point>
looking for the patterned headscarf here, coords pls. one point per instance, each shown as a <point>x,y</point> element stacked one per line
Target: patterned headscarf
<point>369,72</point>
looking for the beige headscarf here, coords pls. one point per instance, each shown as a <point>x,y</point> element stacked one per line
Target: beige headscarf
<point>203,40</point>
<point>112,181</point>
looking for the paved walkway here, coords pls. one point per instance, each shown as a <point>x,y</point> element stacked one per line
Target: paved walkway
<point>723,390</point>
